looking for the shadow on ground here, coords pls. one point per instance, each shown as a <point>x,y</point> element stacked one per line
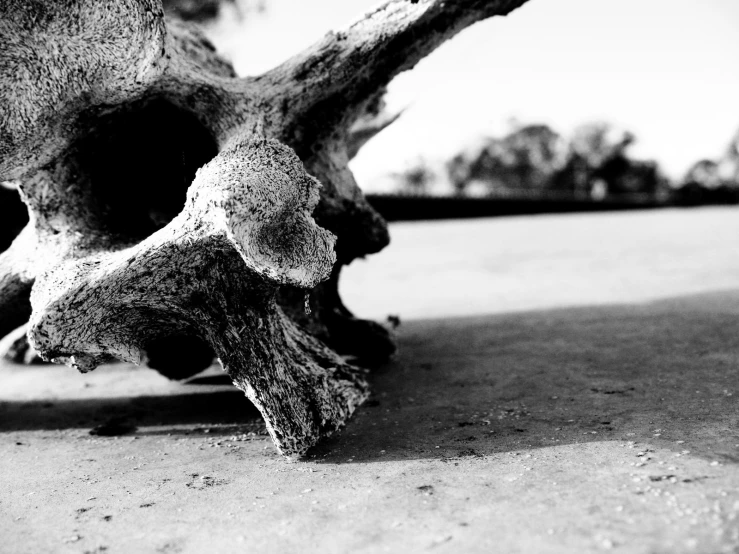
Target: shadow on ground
<point>216,408</point>
<point>469,387</point>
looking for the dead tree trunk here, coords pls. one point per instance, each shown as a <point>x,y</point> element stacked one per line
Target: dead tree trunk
<point>107,111</point>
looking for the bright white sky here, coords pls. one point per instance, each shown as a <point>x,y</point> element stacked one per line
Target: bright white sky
<point>666,69</point>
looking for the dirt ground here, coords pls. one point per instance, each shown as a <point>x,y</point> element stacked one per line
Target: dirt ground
<point>564,384</point>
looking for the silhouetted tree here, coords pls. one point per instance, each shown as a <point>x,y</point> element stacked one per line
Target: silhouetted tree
<point>729,163</point>
<point>416,179</point>
<point>598,141</point>
<point>531,155</point>
<point>525,159</point>
<point>704,184</point>
<point>704,173</point>
<point>598,165</point>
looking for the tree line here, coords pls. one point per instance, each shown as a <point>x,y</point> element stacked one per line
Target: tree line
<point>593,164</point>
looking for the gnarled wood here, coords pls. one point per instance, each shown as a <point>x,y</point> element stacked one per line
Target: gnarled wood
<point>88,89</point>
<point>213,272</point>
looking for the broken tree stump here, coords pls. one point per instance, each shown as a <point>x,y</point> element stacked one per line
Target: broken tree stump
<point>107,112</point>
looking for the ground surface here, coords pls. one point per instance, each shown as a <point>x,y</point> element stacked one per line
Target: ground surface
<point>583,398</point>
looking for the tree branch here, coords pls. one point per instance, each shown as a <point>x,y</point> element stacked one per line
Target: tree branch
<point>347,67</point>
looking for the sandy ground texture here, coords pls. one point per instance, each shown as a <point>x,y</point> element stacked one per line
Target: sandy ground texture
<point>565,384</point>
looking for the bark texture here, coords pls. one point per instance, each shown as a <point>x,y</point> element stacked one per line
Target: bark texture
<point>108,110</point>
<point>213,272</point>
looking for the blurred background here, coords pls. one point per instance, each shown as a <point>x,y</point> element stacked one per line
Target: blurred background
<point>560,106</point>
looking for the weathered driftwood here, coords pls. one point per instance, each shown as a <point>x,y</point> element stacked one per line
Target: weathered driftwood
<point>106,112</point>
<point>213,272</point>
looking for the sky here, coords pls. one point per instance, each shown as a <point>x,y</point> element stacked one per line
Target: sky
<point>664,69</point>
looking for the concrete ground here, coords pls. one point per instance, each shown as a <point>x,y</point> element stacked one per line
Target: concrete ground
<point>564,384</point>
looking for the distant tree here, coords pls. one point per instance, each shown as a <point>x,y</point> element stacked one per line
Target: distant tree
<point>704,184</point>
<point>712,181</point>
<point>525,159</point>
<point>627,176</point>
<point>599,141</point>
<point>531,155</point>
<point>473,163</point>
<point>598,165</point>
<point>704,173</point>
<point>458,171</point>
<point>576,176</point>
<point>416,178</point>
<point>732,151</point>
<point>729,163</point>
